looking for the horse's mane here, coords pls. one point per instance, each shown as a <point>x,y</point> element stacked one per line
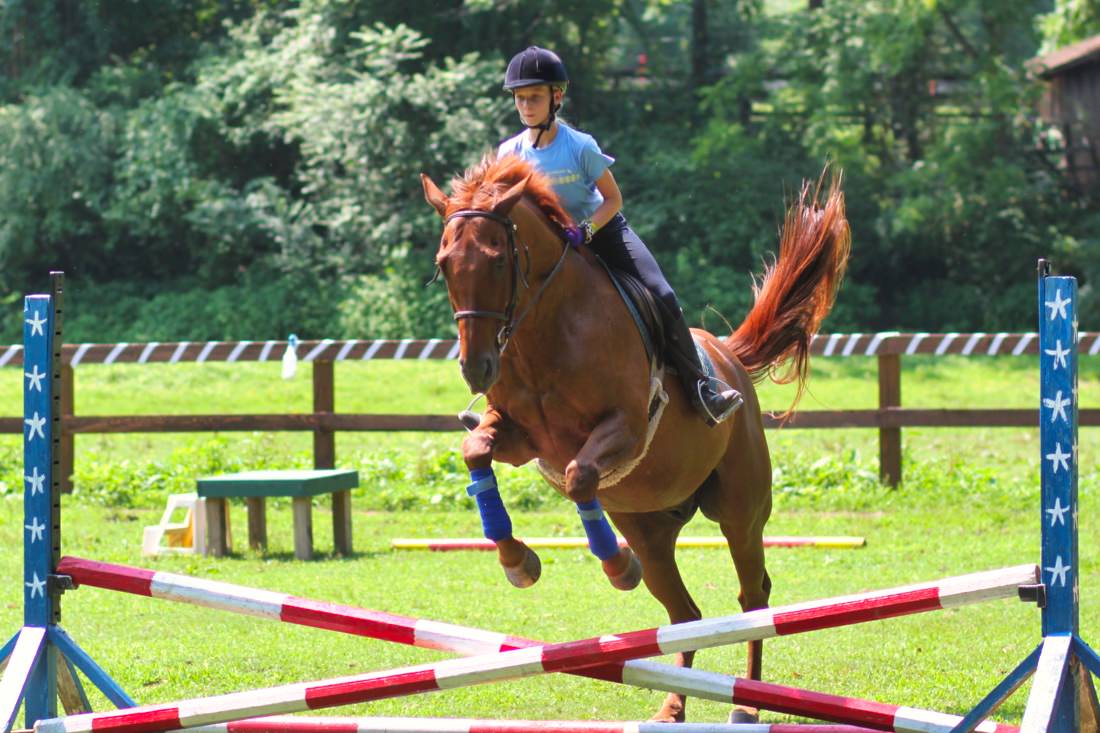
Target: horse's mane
<point>481,185</point>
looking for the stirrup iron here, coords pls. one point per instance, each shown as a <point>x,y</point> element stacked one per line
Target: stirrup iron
<point>734,397</point>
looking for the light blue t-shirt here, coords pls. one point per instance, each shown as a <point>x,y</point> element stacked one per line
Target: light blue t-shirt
<point>573,161</point>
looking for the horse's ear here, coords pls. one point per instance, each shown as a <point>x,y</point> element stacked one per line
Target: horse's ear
<point>434,196</point>
<point>504,205</point>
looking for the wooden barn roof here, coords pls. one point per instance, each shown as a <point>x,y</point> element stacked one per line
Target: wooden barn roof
<point>1066,58</point>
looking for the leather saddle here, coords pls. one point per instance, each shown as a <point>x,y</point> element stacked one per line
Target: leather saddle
<point>643,309</point>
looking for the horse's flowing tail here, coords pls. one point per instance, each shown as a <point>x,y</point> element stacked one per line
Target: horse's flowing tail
<point>797,290</point>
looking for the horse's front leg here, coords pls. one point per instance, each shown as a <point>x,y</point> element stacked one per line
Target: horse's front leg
<point>610,443</point>
<point>497,437</point>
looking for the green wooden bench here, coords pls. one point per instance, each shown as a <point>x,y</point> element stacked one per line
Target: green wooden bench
<point>256,486</point>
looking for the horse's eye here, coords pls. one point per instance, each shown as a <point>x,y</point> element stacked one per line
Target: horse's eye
<point>435,276</point>
<point>438,274</point>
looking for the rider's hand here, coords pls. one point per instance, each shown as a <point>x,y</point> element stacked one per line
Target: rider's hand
<point>581,234</point>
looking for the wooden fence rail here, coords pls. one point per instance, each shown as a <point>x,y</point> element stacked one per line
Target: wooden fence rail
<point>324,422</point>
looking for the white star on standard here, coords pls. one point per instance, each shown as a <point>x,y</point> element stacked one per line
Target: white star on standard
<point>1057,305</point>
<point>1058,572</point>
<point>37,425</point>
<point>38,587</point>
<point>1058,458</point>
<point>36,379</point>
<point>1058,353</point>
<point>37,481</point>
<point>1059,405</point>
<point>1058,513</point>
<point>37,529</point>
<point>36,324</point>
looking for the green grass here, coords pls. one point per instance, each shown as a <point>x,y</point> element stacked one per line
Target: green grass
<point>969,503</point>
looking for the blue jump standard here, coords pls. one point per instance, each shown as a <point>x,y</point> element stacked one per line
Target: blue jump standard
<point>1062,694</point>
<point>41,651</point>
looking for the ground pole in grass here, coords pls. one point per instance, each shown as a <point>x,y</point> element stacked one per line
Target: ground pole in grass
<point>558,543</point>
<point>41,657</point>
<point>296,724</point>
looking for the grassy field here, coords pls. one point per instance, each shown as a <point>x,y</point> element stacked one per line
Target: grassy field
<point>969,503</point>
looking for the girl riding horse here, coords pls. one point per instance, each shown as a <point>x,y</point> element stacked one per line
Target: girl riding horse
<point>568,383</point>
<point>581,174</point>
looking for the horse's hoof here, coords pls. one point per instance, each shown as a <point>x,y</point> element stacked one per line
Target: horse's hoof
<point>744,715</point>
<point>672,711</point>
<point>624,570</point>
<point>527,572</point>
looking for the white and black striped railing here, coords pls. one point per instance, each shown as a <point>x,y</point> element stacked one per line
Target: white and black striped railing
<point>837,344</point>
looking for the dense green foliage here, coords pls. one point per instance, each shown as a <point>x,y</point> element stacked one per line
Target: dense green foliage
<point>245,168</point>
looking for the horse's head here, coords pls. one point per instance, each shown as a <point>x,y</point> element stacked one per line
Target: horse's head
<point>479,261</point>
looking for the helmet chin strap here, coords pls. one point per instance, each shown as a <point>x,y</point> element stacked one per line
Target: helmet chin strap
<point>545,124</point>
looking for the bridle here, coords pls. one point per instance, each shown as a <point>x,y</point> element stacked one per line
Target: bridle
<point>508,315</point>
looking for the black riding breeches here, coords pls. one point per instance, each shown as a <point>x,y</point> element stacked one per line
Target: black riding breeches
<point>622,249</point>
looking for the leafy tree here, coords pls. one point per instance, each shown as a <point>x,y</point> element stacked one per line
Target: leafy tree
<point>56,169</point>
<point>349,131</point>
<point>269,144</point>
<point>45,42</point>
<point>920,104</point>
<point>1070,21</point>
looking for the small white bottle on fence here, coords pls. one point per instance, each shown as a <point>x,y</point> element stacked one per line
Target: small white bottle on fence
<point>290,357</point>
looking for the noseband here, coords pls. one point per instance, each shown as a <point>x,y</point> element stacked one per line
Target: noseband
<point>511,322</point>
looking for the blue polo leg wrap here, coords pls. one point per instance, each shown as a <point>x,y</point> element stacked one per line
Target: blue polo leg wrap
<point>494,517</point>
<point>601,538</point>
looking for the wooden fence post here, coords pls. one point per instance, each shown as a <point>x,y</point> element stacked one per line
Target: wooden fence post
<point>324,403</point>
<point>67,455</point>
<point>324,453</point>
<point>889,438</point>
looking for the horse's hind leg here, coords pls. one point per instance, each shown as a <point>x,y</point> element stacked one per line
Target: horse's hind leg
<point>653,537</point>
<point>747,548</point>
<point>738,498</point>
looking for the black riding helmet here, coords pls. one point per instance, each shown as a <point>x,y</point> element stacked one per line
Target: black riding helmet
<point>534,66</point>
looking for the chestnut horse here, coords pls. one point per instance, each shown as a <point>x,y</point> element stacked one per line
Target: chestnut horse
<point>572,386</point>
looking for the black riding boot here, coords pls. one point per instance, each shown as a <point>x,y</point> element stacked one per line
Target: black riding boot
<point>714,406</point>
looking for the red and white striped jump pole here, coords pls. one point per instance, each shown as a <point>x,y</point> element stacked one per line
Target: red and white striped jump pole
<point>296,724</point>
<point>567,656</point>
<point>467,641</point>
